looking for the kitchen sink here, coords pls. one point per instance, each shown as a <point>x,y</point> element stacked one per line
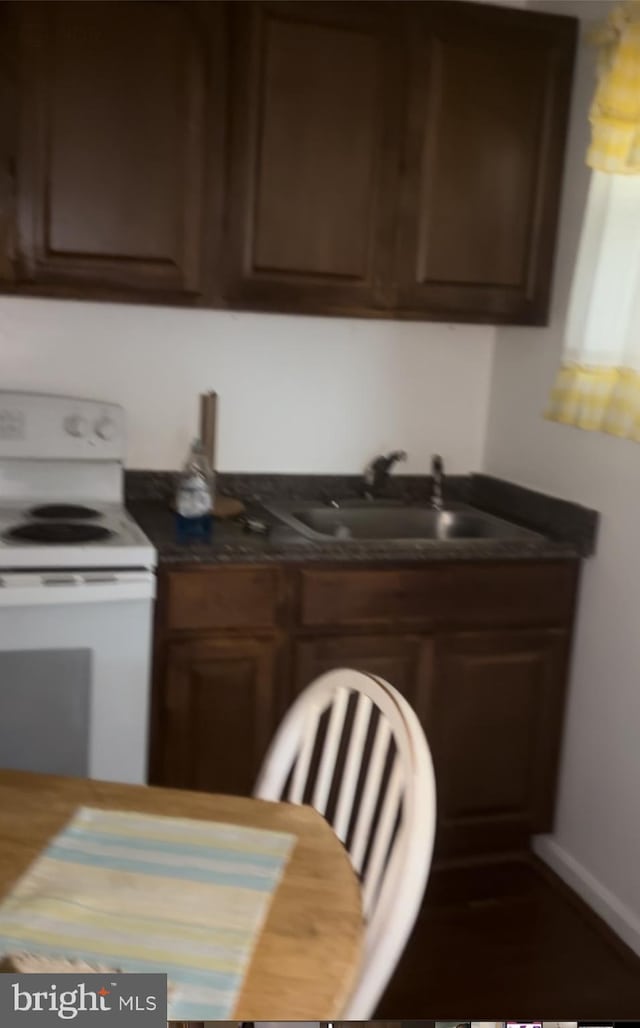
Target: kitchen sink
<point>395,523</point>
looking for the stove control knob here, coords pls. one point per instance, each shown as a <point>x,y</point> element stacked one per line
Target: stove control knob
<point>105,428</point>
<point>76,425</point>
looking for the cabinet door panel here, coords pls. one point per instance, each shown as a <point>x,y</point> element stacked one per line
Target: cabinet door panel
<point>484,150</point>
<point>115,142</point>
<point>403,661</point>
<point>312,124</point>
<point>8,138</point>
<point>496,723</point>
<point>246,598</point>
<point>372,597</point>
<point>218,712</point>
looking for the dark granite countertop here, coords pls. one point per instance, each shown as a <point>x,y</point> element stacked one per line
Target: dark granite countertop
<point>567,530</point>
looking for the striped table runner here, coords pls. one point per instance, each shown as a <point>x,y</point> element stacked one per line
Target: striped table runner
<point>157,894</point>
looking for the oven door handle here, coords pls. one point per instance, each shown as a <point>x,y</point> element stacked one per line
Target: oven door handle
<point>55,588</point>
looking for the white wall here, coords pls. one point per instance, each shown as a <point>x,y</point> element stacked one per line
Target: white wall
<point>296,394</point>
<point>597,839</point>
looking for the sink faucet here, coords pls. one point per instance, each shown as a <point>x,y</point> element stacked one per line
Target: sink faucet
<point>437,475</point>
<point>377,472</point>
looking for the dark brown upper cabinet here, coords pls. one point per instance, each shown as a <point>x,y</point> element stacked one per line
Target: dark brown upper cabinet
<point>122,116</point>
<point>313,155</point>
<point>8,138</point>
<point>381,159</point>
<point>482,162</point>
<point>398,158</point>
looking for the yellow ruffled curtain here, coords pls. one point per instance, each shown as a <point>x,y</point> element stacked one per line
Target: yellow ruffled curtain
<point>615,111</point>
<point>598,386</point>
<point>598,400</point>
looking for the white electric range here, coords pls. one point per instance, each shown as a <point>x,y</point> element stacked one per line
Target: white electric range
<point>77,585</point>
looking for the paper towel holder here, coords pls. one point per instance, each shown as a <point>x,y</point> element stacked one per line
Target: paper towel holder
<point>208,426</point>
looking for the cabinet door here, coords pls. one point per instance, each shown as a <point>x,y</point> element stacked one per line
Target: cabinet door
<point>486,126</point>
<point>8,138</point>
<point>119,125</point>
<point>218,711</point>
<point>496,722</point>
<point>314,156</point>
<point>405,661</point>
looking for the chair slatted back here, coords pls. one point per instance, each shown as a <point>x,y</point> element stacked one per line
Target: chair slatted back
<point>353,748</point>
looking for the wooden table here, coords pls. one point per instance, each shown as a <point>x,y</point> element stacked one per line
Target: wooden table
<point>308,953</point>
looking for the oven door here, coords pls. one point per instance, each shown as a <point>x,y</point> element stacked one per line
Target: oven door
<point>75,655</point>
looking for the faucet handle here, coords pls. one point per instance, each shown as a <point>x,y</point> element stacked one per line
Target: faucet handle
<point>437,475</point>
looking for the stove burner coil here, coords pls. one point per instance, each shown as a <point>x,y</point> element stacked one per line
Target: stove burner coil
<point>65,511</point>
<point>60,532</point>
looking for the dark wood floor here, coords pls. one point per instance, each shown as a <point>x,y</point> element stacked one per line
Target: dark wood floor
<point>511,942</point>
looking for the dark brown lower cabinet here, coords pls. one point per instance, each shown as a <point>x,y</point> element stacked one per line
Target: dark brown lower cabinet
<point>494,731</point>
<point>487,681</point>
<point>218,712</point>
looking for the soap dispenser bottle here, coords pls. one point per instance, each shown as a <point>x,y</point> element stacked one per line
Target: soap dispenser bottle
<point>194,497</point>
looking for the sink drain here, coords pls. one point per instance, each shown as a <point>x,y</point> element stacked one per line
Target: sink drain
<point>342,532</point>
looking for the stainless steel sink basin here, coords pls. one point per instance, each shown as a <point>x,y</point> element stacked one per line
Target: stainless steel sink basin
<point>395,523</point>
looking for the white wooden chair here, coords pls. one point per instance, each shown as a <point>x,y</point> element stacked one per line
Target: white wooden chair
<point>371,775</point>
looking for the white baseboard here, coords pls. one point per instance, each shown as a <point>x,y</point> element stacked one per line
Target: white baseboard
<point>613,912</point>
